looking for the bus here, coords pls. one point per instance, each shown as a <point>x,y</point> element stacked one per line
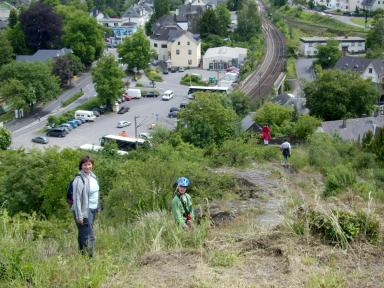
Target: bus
<point>97,148</point>
<point>123,143</point>
<point>213,89</point>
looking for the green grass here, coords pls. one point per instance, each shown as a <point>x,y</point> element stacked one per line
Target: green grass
<point>291,68</point>
<point>71,99</point>
<point>361,21</point>
<point>7,116</point>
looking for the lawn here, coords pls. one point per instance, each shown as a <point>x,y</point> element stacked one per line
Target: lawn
<point>361,21</point>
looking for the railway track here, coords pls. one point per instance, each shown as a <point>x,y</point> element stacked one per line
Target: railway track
<point>261,81</point>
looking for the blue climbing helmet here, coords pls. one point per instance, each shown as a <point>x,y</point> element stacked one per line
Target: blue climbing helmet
<point>183,181</point>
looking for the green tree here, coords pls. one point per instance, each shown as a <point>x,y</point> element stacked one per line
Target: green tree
<point>6,51</point>
<point>13,18</point>
<point>206,121</point>
<point>82,34</point>
<point>273,114</point>
<point>64,67</point>
<point>5,138</point>
<point>305,126</point>
<point>328,54</point>
<point>336,94</point>
<point>15,93</point>
<point>161,7</point>
<point>39,83</point>
<point>16,37</point>
<point>224,18</point>
<point>135,51</point>
<point>375,37</point>
<point>240,102</point>
<point>208,23</point>
<point>107,78</point>
<point>248,20</point>
<point>234,5</point>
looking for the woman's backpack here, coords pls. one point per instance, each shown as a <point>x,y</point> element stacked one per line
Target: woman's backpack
<point>70,189</point>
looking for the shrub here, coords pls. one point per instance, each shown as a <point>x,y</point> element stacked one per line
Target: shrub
<point>322,151</point>
<point>193,80</point>
<point>338,178</point>
<point>305,126</point>
<point>232,153</point>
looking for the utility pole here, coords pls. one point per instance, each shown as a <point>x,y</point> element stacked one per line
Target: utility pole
<point>136,130</point>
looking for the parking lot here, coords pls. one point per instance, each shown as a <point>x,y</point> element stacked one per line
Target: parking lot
<point>147,111</point>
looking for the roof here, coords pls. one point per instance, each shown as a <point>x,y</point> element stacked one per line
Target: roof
<point>359,64</point>
<point>188,11</point>
<point>44,55</point>
<point>247,122</point>
<point>354,128</point>
<point>325,39</point>
<point>167,33</point>
<point>137,11</point>
<point>287,99</point>
<point>224,51</point>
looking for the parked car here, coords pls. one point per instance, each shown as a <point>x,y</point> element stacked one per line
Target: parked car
<point>145,135</point>
<point>167,95</point>
<point>122,124</point>
<point>66,126</point>
<point>96,113</point>
<point>40,139</point>
<point>174,69</point>
<point>78,121</point>
<point>151,94</point>
<point>73,123</point>
<point>123,110</point>
<point>183,104</point>
<point>127,97</point>
<point>165,70</point>
<point>181,69</point>
<point>173,114</point>
<point>57,132</point>
<point>174,109</point>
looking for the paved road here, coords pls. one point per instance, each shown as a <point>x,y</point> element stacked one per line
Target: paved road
<point>149,110</point>
<point>304,68</point>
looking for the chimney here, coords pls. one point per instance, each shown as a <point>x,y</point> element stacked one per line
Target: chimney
<point>344,125</point>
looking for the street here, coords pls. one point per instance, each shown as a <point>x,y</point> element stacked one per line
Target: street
<point>148,110</point>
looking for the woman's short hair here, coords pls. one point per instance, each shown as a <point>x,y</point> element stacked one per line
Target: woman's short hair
<point>85,159</point>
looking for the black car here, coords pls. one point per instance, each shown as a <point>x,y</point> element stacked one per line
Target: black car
<point>40,139</point>
<point>165,71</point>
<point>172,109</point>
<point>57,132</point>
<point>174,69</point>
<point>151,94</point>
<point>96,113</point>
<point>173,114</point>
<point>123,110</point>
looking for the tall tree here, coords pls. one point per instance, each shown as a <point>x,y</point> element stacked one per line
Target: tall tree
<point>208,23</point>
<point>15,93</point>
<point>248,20</point>
<point>13,18</point>
<point>161,7</point>
<point>40,85</point>
<point>240,102</point>
<point>107,78</point>
<point>328,54</point>
<point>224,18</point>
<point>16,37</point>
<point>336,94</point>
<point>5,138</point>
<point>375,37</point>
<point>82,34</point>
<point>42,27</point>
<point>135,51</point>
<point>6,51</point>
<point>206,121</point>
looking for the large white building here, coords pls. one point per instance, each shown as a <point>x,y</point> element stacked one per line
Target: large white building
<point>343,5</point>
<point>351,45</point>
<point>220,58</point>
<point>372,5</point>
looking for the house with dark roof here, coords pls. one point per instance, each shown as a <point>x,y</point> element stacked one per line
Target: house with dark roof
<point>372,5</point>
<point>248,124</point>
<point>353,129</point>
<point>44,55</point>
<point>187,16</point>
<point>368,69</point>
<point>174,45</point>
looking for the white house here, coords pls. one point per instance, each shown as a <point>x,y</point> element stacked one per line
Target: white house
<point>343,5</point>
<point>352,45</point>
<point>220,58</point>
<point>373,5</point>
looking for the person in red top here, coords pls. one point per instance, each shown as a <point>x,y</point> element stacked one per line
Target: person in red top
<point>266,134</point>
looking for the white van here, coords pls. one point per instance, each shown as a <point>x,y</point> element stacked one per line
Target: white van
<point>84,114</point>
<point>134,93</point>
<point>167,95</point>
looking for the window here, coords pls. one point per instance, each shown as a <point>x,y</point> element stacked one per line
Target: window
<point>178,43</point>
<point>360,44</point>
<point>177,52</point>
<point>189,52</point>
<point>353,44</point>
<point>163,45</point>
<point>154,44</point>
<point>370,70</point>
<point>188,43</point>
<point>189,62</point>
<point>310,44</point>
<point>115,24</point>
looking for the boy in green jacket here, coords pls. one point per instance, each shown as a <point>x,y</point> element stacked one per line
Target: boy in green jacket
<point>182,210</point>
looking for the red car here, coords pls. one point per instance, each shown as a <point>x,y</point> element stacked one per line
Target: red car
<point>127,98</point>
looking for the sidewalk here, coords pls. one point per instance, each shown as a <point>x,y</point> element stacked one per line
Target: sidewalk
<point>44,110</point>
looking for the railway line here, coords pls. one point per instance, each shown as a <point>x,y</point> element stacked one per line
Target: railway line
<point>261,81</point>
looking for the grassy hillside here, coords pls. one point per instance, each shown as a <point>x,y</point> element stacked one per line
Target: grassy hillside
<point>317,223</point>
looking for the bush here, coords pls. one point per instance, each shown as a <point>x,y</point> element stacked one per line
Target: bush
<point>305,126</point>
<point>232,153</point>
<point>322,151</point>
<point>338,178</point>
<point>193,80</point>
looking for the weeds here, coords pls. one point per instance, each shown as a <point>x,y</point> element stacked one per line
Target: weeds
<point>339,178</point>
